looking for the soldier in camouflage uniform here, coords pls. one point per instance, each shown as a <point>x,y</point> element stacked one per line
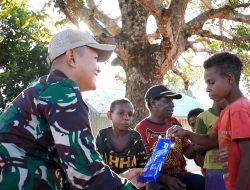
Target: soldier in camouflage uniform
<point>45,136</point>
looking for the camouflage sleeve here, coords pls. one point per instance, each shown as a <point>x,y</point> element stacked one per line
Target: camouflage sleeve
<point>67,116</point>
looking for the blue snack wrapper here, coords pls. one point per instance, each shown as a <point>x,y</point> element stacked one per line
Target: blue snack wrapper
<point>156,161</point>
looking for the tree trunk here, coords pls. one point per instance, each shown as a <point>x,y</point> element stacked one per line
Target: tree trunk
<point>136,89</point>
<point>142,72</point>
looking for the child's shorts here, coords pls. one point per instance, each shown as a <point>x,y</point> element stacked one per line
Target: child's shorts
<point>214,180</point>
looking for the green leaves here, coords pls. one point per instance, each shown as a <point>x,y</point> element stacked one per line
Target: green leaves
<point>22,49</point>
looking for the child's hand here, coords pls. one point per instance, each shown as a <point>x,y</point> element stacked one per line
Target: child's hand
<point>176,131</point>
<point>132,175</point>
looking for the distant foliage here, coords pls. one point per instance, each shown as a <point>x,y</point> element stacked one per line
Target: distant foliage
<point>22,52</point>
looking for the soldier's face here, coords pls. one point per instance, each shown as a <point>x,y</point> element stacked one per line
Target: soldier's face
<point>87,69</point>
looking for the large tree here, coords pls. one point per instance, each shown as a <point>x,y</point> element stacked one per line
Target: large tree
<point>144,61</point>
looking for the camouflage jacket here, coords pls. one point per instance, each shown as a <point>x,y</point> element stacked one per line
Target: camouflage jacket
<point>47,143</point>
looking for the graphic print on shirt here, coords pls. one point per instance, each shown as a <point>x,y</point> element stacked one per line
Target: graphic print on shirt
<point>121,162</point>
<point>175,153</point>
<point>224,160</point>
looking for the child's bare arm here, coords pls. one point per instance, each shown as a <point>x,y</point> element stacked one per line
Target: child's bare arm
<point>243,176</point>
<point>208,141</point>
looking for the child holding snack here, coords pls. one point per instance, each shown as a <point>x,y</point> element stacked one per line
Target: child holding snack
<point>232,130</point>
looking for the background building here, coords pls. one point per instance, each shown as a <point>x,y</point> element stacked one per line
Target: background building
<point>100,99</point>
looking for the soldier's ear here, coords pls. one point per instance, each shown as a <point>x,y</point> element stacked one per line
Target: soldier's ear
<point>70,58</point>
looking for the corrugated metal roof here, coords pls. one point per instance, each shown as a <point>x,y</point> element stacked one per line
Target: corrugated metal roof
<point>100,100</point>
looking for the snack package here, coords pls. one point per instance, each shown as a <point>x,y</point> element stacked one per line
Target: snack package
<point>156,161</point>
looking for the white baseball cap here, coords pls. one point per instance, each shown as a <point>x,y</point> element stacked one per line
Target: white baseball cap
<point>70,39</point>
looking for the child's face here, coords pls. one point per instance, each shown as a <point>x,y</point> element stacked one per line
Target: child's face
<point>122,116</point>
<point>191,122</point>
<point>218,85</point>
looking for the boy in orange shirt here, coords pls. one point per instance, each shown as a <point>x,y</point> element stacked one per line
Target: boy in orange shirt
<point>232,130</point>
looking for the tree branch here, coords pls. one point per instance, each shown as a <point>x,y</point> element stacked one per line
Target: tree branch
<point>117,62</point>
<point>182,75</point>
<point>87,17</point>
<point>191,44</point>
<point>195,49</point>
<point>231,33</point>
<point>63,7</point>
<point>153,6</point>
<point>207,4</point>
<point>200,40</point>
<point>178,16</point>
<point>236,40</point>
<point>221,31</point>
<point>154,36</point>
<point>74,6</point>
<point>179,7</point>
<point>226,12</point>
<point>109,23</point>
<point>134,21</point>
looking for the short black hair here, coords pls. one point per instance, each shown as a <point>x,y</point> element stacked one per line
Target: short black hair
<point>148,101</point>
<point>194,112</point>
<point>225,63</point>
<point>119,101</point>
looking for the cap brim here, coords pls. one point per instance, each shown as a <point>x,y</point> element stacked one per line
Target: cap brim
<point>171,94</point>
<point>104,51</point>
